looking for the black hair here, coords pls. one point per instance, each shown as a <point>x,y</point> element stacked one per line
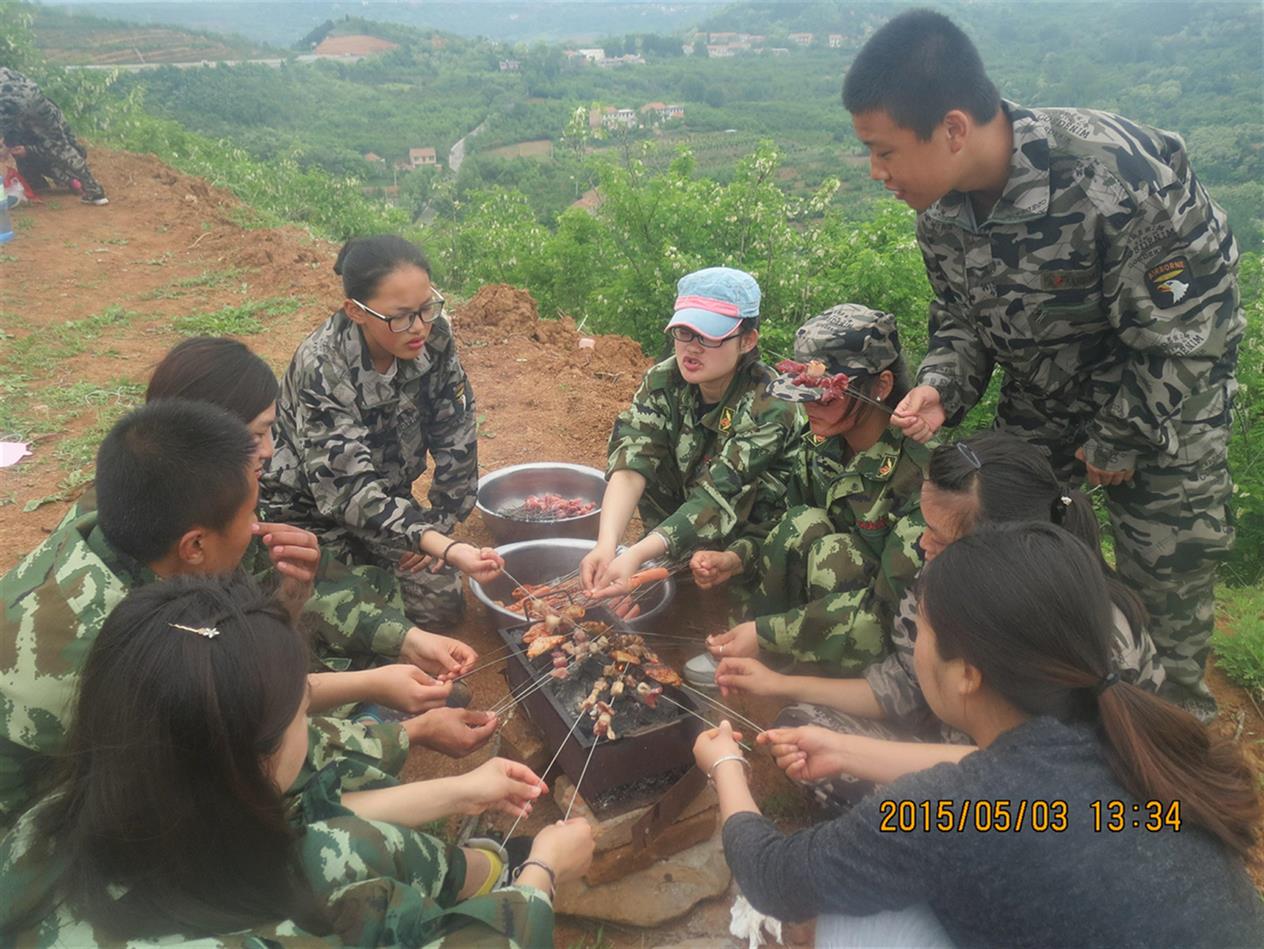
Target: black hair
<point>364,262</point>
<point>220,371</point>
<point>164,791</point>
<point>167,467</point>
<point>1015,483</point>
<point>1027,605</point>
<point>917,68</point>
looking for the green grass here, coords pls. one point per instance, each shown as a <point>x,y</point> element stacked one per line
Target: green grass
<point>1240,647</point>
<point>245,319</point>
<point>207,280</point>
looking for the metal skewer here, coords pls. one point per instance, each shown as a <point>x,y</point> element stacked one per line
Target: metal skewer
<point>725,708</point>
<point>710,724</point>
<point>575,793</point>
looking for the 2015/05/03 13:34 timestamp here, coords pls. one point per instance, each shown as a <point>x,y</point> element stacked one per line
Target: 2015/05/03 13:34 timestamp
<point>1038,816</point>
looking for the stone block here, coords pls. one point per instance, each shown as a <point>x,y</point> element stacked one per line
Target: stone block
<point>615,830</point>
<point>663,891</point>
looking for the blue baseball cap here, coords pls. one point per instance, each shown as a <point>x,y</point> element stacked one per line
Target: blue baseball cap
<point>714,301</point>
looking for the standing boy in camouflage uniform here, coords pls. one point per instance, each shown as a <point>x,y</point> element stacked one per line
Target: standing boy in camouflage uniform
<point>1078,251</point>
<point>833,569</point>
<point>367,396</point>
<point>29,117</point>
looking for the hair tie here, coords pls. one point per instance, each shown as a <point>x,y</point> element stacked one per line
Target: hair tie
<point>210,632</point>
<point>1106,682</point>
<point>1065,500</point>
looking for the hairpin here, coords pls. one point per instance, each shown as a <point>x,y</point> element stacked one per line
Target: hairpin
<point>210,632</point>
<point>969,455</point>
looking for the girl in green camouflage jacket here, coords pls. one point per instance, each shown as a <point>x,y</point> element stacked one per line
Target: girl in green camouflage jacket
<point>703,452</point>
<point>168,820</point>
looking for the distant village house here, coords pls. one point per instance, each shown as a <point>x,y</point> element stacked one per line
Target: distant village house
<point>374,157</point>
<point>510,65</point>
<point>421,157</point>
<point>800,39</point>
<point>836,40</point>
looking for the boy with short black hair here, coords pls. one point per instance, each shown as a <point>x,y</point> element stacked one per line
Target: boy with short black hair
<point>176,494</point>
<point>1077,250</point>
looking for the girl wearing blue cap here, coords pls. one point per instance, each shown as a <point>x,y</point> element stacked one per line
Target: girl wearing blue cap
<point>703,451</point>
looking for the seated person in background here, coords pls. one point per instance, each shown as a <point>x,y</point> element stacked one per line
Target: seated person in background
<point>191,720</point>
<point>880,726</point>
<point>703,452</point>
<point>176,494</point>
<point>1092,813</point>
<point>368,395</point>
<point>355,613</point>
<point>833,569</point>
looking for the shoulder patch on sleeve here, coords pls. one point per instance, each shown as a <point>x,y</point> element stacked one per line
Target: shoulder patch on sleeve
<point>1168,282</point>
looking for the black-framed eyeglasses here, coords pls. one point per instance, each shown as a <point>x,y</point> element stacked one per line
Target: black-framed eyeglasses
<point>402,323</point>
<point>683,334</point>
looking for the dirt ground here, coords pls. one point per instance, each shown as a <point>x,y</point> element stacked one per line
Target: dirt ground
<point>171,248</point>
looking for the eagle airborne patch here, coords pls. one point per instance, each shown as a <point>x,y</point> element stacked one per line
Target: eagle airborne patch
<point>1168,282</point>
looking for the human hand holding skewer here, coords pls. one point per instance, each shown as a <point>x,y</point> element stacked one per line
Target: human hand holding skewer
<point>477,563</point>
<point>405,687</point>
<point>442,656</point>
<point>740,641</point>
<point>807,753</point>
<point>713,567</point>
<point>743,674</point>
<point>508,786</point>
<point>454,732</point>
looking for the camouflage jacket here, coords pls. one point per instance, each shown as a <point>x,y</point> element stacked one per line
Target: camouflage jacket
<point>54,603</point>
<point>874,499</point>
<point>350,442</point>
<point>354,614</point>
<point>383,885</point>
<point>723,469</point>
<point>1104,283</point>
<point>895,686</point>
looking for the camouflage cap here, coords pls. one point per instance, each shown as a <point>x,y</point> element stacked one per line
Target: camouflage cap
<point>848,338</point>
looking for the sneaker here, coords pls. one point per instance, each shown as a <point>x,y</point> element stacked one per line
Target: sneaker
<point>101,201</point>
<point>700,671</point>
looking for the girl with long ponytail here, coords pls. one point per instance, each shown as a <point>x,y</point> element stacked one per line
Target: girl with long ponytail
<point>1091,814</point>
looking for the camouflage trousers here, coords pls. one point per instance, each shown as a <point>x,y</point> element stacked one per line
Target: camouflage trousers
<point>1172,526</point>
<point>433,601</point>
<point>810,592</point>
<point>43,129</point>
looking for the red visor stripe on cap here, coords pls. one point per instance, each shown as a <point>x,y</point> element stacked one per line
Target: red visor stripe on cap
<point>722,307</point>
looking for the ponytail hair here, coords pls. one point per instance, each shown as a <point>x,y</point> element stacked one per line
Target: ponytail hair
<point>1027,605</point>
<point>1011,481</point>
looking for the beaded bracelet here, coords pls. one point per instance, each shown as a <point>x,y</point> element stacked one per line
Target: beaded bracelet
<point>444,556</point>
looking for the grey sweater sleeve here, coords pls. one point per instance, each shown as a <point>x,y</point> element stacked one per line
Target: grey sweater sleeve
<point>847,865</point>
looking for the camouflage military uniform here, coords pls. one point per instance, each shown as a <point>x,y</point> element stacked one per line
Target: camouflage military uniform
<point>1104,283</point>
<point>29,117</point>
<point>351,441</point>
<point>833,569</point>
<point>382,884</point>
<point>907,717</point>
<point>54,603</point>
<point>354,618</point>
<point>711,472</point>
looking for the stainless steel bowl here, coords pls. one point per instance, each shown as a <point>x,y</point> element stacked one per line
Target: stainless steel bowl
<point>509,487</point>
<point>535,561</point>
